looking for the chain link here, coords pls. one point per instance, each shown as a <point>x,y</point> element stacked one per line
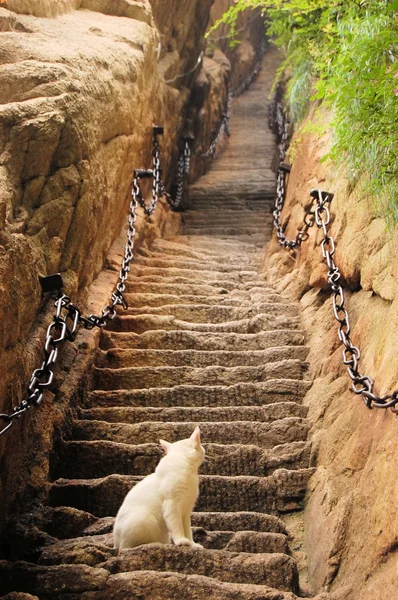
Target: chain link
<point>182,75</point>
<point>183,165</point>
<point>65,325</point>
<point>362,385</point>
<point>226,116</point>
<point>278,121</point>
<point>154,174</point>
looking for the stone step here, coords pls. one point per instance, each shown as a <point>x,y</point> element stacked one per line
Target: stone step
<point>201,313</point>
<point>199,197</point>
<point>259,185</point>
<point>139,287</point>
<point>189,256</point>
<point>223,289</point>
<point>118,357</point>
<point>67,522</point>
<point>207,202</point>
<point>142,377</point>
<point>88,459</point>
<point>148,322</point>
<point>261,232</point>
<point>95,549</point>
<point>242,541</point>
<point>181,247</point>
<point>226,245</point>
<point>266,435</point>
<point>231,299</point>
<point>172,262</point>
<point>227,215</point>
<point>135,414</point>
<point>235,221</point>
<point>276,570</point>
<point>200,341</point>
<point>73,581</point>
<point>281,492</point>
<point>201,276</point>
<point>213,281</point>
<point>241,394</point>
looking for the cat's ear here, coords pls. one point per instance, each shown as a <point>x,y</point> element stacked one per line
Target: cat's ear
<point>165,445</point>
<point>195,437</point>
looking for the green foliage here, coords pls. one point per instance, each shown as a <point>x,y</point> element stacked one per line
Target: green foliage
<point>343,53</point>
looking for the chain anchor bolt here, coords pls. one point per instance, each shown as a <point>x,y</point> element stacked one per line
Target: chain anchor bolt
<point>143,173</point>
<point>51,283</point>
<point>325,196</point>
<point>158,130</point>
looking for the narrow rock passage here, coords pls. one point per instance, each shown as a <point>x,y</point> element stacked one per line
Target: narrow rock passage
<point>206,341</point>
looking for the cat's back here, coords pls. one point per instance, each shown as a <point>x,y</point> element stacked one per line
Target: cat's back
<point>144,493</point>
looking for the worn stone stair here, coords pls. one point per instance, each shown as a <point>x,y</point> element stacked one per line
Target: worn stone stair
<point>205,341</point>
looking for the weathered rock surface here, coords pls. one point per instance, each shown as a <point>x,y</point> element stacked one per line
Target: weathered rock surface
<point>351,518</point>
<point>250,34</point>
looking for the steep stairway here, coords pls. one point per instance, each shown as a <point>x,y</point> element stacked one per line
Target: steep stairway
<point>205,341</point>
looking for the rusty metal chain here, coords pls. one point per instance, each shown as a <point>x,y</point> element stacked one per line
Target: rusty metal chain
<point>183,165</point>
<point>65,325</point>
<point>182,75</point>
<point>278,120</point>
<point>362,385</point>
<point>226,116</point>
<point>224,128</point>
<point>153,174</point>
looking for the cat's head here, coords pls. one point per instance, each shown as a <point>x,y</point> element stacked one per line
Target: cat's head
<point>190,447</point>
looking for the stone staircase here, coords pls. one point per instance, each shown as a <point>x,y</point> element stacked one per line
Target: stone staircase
<point>205,341</point>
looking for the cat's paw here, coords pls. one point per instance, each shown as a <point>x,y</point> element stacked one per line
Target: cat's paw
<point>195,545</point>
<point>183,541</point>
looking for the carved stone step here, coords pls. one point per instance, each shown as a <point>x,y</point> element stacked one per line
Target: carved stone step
<point>227,216</point>
<point>266,435</point>
<point>119,358</point>
<point>72,581</point>
<point>239,230</point>
<point>87,459</point>
<point>97,548</point>
<point>281,492</point>
<point>273,568</point>
<point>147,322</point>
<point>160,261</point>
<point>178,247</point>
<point>241,394</point>
<point>129,414</point>
<point>186,286</point>
<point>276,570</point>
<point>232,299</point>
<point>141,377</point>
<point>201,276</point>
<point>215,314</point>
<point>67,522</point>
<point>197,340</point>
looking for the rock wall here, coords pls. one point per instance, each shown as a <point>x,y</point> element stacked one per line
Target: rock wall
<point>351,517</point>
<point>251,32</point>
<point>79,95</point>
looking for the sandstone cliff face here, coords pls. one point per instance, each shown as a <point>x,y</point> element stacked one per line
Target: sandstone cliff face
<point>79,95</point>
<point>352,515</point>
<point>250,30</point>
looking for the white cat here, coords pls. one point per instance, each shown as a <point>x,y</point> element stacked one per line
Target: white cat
<point>158,508</point>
